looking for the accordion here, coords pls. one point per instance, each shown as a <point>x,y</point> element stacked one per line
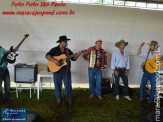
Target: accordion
<point>98,59</point>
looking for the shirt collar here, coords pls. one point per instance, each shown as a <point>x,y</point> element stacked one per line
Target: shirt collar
<point>123,51</point>
<point>96,49</point>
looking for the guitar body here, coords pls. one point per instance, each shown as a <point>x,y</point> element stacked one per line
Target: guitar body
<point>53,67</point>
<point>11,57</point>
<point>152,65</point>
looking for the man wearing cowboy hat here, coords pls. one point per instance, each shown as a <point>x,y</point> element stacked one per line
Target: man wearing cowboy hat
<point>95,74</point>
<point>61,74</point>
<point>121,65</point>
<point>147,75</point>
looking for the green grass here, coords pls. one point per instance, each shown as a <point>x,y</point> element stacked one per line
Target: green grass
<point>83,108</point>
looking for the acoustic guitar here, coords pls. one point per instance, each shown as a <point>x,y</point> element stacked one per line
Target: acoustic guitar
<point>152,65</point>
<point>63,61</point>
<point>11,56</point>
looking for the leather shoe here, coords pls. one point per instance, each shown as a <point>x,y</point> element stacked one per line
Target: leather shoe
<point>99,97</point>
<point>91,97</point>
<point>9,98</point>
<point>59,101</point>
<point>149,103</point>
<point>140,100</point>
<point>70,102</point>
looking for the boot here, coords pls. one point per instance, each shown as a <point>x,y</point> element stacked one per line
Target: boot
<point>8,96</point>
<point>127,97</point>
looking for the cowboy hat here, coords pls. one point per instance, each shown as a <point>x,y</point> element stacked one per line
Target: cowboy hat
<point>62,38</point>
<point>98,40</point>
<point>121,41</point>
<point>155,43</point>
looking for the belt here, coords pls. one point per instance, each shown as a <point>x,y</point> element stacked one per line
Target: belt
<point>120,68</point>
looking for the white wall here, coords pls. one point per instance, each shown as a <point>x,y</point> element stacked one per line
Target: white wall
<point>88,23</point>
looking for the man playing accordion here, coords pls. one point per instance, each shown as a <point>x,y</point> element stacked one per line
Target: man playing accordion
<point>96,56</point>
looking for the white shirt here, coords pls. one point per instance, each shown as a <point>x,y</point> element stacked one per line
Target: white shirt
<point>119,61</point>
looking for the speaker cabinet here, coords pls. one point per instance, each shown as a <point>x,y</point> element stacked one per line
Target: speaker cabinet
<point>26,73</point>
<point>106,86</point>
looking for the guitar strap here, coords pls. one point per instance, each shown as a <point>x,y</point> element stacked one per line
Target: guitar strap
<point>67,53</point>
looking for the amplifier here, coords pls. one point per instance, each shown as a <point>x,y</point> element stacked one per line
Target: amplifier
<point>25,73</point>
<point>106,86</point>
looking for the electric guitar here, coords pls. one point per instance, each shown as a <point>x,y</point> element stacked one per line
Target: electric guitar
<point>152,65</point>
<point>11,56</point>
<point>62,59</point>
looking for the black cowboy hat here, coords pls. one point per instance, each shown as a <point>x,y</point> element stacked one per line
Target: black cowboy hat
<point>62,38</point>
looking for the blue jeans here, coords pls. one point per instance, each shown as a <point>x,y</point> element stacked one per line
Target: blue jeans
<point>58,77</point>
<point>95,78</point>
<point>125,82</point>
<point>152,78</point>
<point>4,75</point>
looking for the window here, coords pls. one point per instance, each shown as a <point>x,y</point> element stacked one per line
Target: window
<point>153,6</point>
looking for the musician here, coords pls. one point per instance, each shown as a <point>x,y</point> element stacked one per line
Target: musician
<point>61,74</point>
<point>147,75</point>
<point>121,65</point>
<point>5,75</point>
<point>95,74</point>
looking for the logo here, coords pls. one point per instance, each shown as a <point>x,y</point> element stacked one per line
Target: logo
<point>13,114</point>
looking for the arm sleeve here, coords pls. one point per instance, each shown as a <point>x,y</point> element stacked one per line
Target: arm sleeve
<point>5,51</point>
<point>51,52</point>
<point>87,52</point>
<point>113,61</point>
<point>144,55</point>
<point>128,61</point>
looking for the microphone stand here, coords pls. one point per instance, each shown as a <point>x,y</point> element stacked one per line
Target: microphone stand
<point>67,79</point>
<point>65,116</point>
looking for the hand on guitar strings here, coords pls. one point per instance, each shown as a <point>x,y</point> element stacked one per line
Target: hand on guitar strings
<point>58,63</point>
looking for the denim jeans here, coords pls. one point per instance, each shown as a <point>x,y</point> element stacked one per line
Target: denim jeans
<point>125,82</point>
<point>95,81</point>
<point>152,78</point>
<point>4,75</point>
<point>58,77</point>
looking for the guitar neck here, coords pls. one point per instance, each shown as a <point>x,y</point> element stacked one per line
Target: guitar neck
<point>69,56</point>
<point>72,55</point>
<point>20,43</point>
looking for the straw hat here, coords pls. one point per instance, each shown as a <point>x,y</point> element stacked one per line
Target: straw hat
<point>98,40</point>
<point>121,41</point>
<point>155,43</point>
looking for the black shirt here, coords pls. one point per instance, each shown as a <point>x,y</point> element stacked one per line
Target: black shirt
<point>56,51</point>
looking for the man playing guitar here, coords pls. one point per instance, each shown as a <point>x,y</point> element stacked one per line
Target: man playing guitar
<point>4,75</point>
<point>148,75</point>
<point>61,74</point>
